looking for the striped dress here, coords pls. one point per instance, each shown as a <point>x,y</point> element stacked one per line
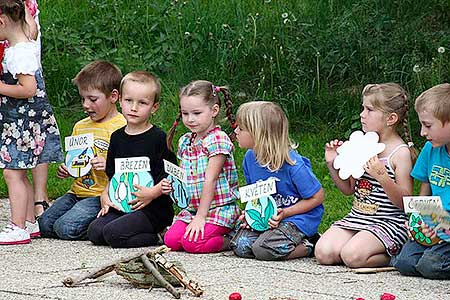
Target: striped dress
<point>374,212</point>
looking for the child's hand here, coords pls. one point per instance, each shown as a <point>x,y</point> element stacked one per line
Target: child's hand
<point>330,150</point>
<point>166,186</point>
<point>375,168</point>
<point>98,163</point>
<point>195,228</point>
<point>243,221</point>
<point>275,220</point>
<point>62,172</point>
<point>427,231</point>
<point>408,230</point>
<point>144,196</point>
<point>105,203</point>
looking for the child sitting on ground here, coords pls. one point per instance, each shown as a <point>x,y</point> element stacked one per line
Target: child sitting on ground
<point>70,215</point>
<point>432,169</point>
<point>152,210</point>
<point>263,128</point>
<point>373,230</point>
<point>206,153</point>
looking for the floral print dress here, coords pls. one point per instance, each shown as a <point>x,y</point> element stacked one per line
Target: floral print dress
<point>29,133</point>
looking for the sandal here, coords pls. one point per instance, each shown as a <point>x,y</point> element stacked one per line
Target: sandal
<point>44,204</point>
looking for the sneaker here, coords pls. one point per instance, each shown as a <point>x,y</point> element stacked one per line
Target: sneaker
<point>33,229</point>
<point>13,235</point>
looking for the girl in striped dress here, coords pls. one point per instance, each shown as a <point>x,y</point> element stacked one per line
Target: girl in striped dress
<point>374,229</point>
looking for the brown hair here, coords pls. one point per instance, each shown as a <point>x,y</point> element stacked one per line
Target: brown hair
<point>392,98</point>
<point>15,10</point>
<point>144,77</point>
<point>210,94</point>
<point>269,127</point>
<point>436,100</point>
<point>101,75</point>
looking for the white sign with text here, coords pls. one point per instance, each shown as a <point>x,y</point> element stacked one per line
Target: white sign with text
<point>81,141</point>
<point>175,171</point>
<point>132,164</point>
<point>258,190</point>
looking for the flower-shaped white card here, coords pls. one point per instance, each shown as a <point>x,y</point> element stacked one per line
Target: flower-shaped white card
<point>356,152</point>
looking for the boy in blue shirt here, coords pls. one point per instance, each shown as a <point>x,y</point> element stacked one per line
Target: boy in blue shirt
<point>432,169</point>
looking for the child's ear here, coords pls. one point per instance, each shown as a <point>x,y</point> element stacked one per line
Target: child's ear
<point>114,96</point>
<point>155,107</point>
<point>215,109</point>
<point>392,119</point>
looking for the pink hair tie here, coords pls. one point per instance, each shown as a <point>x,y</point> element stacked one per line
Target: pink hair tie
<point>217,88</point>
<point>175,124</point>
<point>234,125</point>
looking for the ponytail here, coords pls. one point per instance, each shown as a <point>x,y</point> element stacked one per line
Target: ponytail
<point>171,133</point>
<point>228,109</point>
<point>407,133</point>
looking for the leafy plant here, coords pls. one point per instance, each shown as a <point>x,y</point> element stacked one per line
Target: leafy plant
<point>261,218</point>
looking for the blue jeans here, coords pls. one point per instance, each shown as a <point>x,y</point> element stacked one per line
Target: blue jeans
<point>68,218</point>
<point>430,262</point>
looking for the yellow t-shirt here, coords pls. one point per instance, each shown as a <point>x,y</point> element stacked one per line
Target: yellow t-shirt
<point>93,183</point>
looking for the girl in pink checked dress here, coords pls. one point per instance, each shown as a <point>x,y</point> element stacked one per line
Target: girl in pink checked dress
<point>206,153</point>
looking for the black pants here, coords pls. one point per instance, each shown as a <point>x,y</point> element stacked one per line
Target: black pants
<point>123,230</point>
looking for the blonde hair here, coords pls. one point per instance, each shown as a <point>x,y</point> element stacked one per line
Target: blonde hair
<point>269,127</point>
<point>392,98</point>
<point>144,77</point>
<point>436,100</point>
<point>210,94</point>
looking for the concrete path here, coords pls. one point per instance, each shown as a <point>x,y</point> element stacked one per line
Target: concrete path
<point>36,271</point>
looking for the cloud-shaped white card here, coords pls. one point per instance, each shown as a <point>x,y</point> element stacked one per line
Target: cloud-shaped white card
<point>356,152</point>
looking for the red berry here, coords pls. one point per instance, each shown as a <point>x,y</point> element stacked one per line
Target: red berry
<point>387,296</point>
<point>235,296</point>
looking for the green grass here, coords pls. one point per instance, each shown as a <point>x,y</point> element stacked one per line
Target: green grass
<point>311,56</point>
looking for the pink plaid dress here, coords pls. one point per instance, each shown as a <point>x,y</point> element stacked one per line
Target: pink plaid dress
<point>194,158</point>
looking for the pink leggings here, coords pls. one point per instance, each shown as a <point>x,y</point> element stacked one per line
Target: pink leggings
<point>212,241</point>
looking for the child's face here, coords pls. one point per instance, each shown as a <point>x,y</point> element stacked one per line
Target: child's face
<point>137,102</point>
<point>197,116</point>
<point>97,105</point>
<point>371,119</point>
<point>433,129</point>
<point>244,138</point>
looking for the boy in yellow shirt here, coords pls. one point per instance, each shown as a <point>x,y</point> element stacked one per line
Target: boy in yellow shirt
<point>69,217</point>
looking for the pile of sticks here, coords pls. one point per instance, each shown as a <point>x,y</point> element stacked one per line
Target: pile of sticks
<point>151,260</point>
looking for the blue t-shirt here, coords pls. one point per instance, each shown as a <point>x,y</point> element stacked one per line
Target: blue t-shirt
<point>294,183</point>
<point>433,167</point>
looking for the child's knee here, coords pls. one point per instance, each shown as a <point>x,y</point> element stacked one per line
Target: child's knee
<point>67,231</point>
<point>432,266</point>
<point>95,234</point>
<point>172,241</point>
<point>263,253</point>
<point>242,248</point>
<point>353,258</point>
<point>325,253</point>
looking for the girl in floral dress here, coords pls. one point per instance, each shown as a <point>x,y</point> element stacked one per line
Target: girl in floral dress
<point>29,133</point>
<point>206,153</point>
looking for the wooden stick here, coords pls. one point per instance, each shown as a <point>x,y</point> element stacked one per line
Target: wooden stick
<point>164,283</point>
<point>71,281</point>
<point>172,269</point>
<point>373,270</point>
